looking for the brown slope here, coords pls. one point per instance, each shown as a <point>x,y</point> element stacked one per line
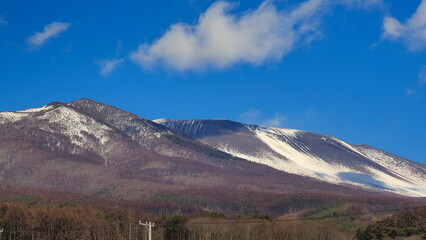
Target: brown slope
<point>96,149</point>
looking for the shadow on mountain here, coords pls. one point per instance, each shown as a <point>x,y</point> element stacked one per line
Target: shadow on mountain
<point>363,179</point>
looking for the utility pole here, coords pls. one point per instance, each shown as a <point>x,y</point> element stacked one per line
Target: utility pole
<point>148,225</point>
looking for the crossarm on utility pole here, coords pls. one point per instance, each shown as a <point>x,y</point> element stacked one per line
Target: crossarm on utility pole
<point>148,226</point>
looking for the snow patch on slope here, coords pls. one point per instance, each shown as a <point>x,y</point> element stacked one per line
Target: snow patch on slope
<point>9,117</point>
<point>260,157</point>
<point>161,121</point>
<point>400,186</point>
<point>413,173</point>
<point>347,145</point>
<point>33,110</point>
<point>284,141</point>
<point>295,157</point>
<point>300,162</point>
<point>76,126</point>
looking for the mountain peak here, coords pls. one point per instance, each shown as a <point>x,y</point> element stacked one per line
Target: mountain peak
<point>96,109</point>
<point>55,104</point>
<point>85,101</point>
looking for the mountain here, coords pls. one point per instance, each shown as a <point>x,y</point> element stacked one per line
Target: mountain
<point>308,154</point>
<point>95,149</point>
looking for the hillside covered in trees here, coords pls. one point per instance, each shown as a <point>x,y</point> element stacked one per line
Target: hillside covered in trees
<point>38,215</point>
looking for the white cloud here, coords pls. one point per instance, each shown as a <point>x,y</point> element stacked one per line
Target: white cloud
<point>3,21</point>
<point>412,33</point>
<point>220,39</point>
<point>392,27</point>
<point>107,66</point>
<point>49,31</point>
<point>422,75</point>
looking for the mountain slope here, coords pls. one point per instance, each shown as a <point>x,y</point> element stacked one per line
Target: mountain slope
<point>95,149</point>
<point>308,154</point>
<point>412,171</point>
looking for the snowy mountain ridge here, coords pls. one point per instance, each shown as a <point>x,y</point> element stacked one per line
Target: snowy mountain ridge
<point>96,149</point>
<point>309,154</point>
<point>94,133</point>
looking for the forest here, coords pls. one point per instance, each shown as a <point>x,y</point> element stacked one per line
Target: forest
<point>31,217</point>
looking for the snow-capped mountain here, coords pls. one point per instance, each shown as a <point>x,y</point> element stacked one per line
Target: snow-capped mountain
<point>308,154</point>
<point>92,148</point>
<point>86,126</point>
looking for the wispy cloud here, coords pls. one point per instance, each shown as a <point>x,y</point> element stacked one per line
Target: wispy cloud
<point>251,116</point>
<point>276,121</point>
<point>107,66</point>
<point>220,39</point>
<point>49,31</point>
<point>412,33</point>
<point>3,21</point>
<point>254,116</point>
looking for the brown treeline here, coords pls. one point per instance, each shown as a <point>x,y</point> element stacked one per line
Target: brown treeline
<point>43,222</point>
<point>52,221</point>
<point>20,222</point>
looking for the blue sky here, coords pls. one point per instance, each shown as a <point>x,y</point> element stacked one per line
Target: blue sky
<point>354,69</point>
